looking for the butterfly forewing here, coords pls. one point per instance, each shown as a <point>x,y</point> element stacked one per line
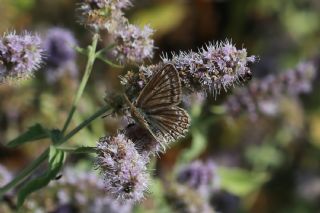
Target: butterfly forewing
<point>164,89</point>
<point>158,101</point>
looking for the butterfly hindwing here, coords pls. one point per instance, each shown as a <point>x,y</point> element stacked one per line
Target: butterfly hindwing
<point>164,89</point>
<point>171,123</point>
<point>158,103</point>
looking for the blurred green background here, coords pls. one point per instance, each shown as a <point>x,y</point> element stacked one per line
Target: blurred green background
<point>272,165</point>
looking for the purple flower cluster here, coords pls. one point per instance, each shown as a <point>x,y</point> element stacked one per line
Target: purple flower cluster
<point>215,67</point>
<point>20,55</point>
<point>103,14</point>
<point>5,176</point>
<point>200,176</point>
<point>79,189</point>
<point>212,69</point>
<point>59,46</point>
<point>123,168</point>
<point>133,44</point>
<point>144,142</point>
<point>183,199</point>
<point>262,96</point>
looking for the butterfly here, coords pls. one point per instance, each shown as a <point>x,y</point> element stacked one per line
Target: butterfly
<point>156,107</point>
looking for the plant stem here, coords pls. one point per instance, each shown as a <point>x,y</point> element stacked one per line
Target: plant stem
<point>37,162</point>
<point>109,62</point>
<point>84,81</point>
<point>78,150</point>
<point>85,123</point>
<point>25,173</point>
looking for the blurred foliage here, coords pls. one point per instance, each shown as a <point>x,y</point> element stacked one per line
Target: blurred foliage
<point>240,182</point>
<point>162,18</point>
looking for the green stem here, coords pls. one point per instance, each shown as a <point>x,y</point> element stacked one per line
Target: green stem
<point>85,123</point>
<point>109,62</point>
<point>109,47</point>
<point>81,51</point>
<point>84,81</point>
<point>25,173</point>
<point>78,150</point>
<point>37,162</point>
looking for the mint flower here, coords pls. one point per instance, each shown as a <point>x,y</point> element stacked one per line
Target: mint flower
<point>200,176</point>
<point>5,176</point>
<point>184,199</point>
<point>20,55</point>
<point>124,170</point>
<point>77,190</point>
<point>103,14</point>
<point>133,44</point>
<point>59,46</point>
<point>212,69</point>
<point>144,142</point>
<point>262,96</point>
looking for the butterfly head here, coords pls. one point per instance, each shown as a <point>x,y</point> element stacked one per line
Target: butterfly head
<point>116,102</point>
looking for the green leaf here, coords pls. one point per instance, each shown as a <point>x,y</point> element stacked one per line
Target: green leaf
<point>164,17</point>
<point>36,132</point>
<point>56,157</point>
<point>56,136</point>
<point>56,160</point>
<point>24,173</point>
<point>239,181</point>
<point>24,4</point>
<point>158,194</point>
<point>198,145</point>
<point>219,110</point>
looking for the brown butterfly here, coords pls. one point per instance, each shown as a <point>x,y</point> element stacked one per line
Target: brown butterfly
<point>156,106</point>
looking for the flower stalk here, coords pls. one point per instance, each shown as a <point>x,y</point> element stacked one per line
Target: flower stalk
<point>84,81</point>
<point>44,156</point>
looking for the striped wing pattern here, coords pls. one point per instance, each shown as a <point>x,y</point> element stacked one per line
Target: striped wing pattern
<point>171,123</point>
<point>163,90</point>
<point>158,101</point>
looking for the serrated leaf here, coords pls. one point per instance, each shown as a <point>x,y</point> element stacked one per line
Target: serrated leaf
<point>35,132</point>
<point>56,160</point>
